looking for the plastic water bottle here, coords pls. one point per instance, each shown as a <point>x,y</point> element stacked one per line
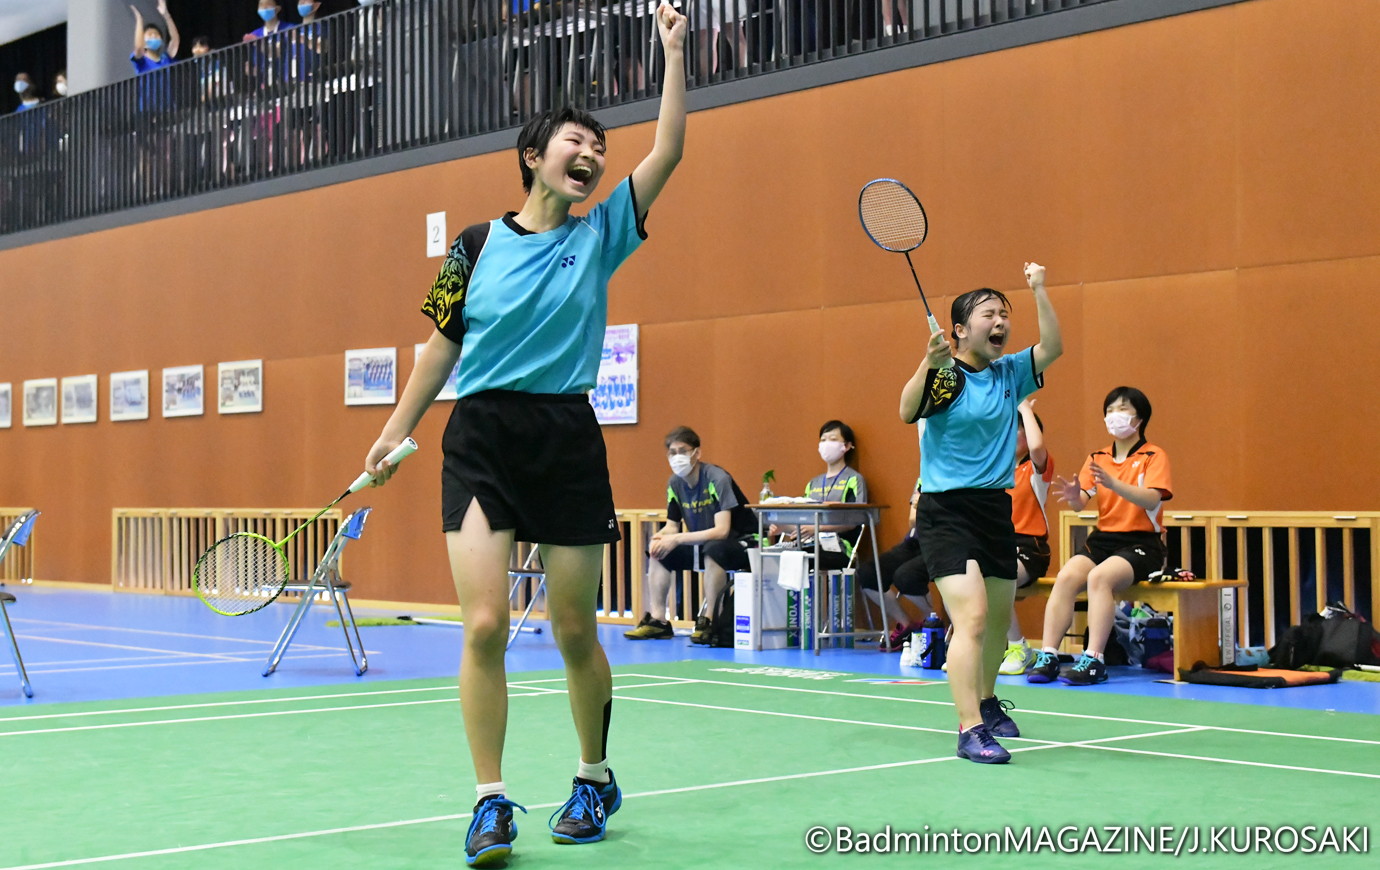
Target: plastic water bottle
<point>932,643</point>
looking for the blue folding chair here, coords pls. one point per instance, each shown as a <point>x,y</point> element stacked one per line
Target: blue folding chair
<point>17,535</point>
<point>326,580</point>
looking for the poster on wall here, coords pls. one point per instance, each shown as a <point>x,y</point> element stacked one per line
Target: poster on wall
<point>183,394</point>
<point>40,402</point>
<point>129,396</point>
<point>6,390</point>
<point>79,399</point>
<point>371,376</point>
<point>241,386</point>
<point>449,390</point>
<point>615,392</point>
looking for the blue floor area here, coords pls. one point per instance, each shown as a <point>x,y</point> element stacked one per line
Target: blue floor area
<point>92,645</point>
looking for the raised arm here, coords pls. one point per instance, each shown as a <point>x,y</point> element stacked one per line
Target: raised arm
<point>138,31</point>
<point>433,367</point>
<point>173,39</point>
<point>1034,438</point>
<point>651,174</point>
<point>913,393</point>
<point>1051,345</point>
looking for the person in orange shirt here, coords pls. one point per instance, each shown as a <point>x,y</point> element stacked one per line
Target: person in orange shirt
<point>1034,473</point>
<point>1131,481</point>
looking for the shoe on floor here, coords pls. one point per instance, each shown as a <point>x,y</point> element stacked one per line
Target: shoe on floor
<point>978,744</point>
<point>1019,657</point>
<point>583,818</point>
<point>994,716</point>
<point>898,637</point>
<point>650,629</point>
<point>1085,672</point>
<point>1045,669</point>
<point>703,628</point>
<point>492,831</point>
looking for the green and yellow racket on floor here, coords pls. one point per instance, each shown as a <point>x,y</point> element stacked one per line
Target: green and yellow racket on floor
<point>245,572</point>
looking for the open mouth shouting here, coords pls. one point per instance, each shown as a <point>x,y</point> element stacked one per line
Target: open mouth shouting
<point>997,340</point>
<point>581,175</point>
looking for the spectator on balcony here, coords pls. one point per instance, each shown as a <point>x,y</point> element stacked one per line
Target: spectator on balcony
<point>60,84</point>
<point>711,17</point>
<point>151,50</point>
<point>267,67</point>
<point>28,94</point>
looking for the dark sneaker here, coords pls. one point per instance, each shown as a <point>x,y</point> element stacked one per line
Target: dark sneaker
<point>1086,671</point>
<point>899,635</point>
<point>703,628</point>
<point>978,744</point>
<point>582,819</point>
<point>1045,669</point>
<point>994,716</point>
<point>650,629</point>
<point>492,831</point>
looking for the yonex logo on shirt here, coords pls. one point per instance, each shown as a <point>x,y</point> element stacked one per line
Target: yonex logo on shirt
<point>567,261</point>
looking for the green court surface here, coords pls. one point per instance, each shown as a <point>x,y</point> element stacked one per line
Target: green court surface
<point>722,765</point>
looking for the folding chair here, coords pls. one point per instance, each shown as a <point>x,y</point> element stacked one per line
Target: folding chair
<point>17,535</point>
<point>531,570</point>
<point>326,580</point>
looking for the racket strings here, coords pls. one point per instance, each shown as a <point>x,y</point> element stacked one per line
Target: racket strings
<point>892,216</point>
<point>241,574</point>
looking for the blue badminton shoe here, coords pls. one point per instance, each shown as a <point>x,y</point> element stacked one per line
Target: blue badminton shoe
<point>583,817</point>
<point>492,832</point>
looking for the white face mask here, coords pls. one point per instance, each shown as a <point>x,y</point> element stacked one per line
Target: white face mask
<point>1119,424</point>
<point>832,451</point>
<point>62,89</point>
<point>681,465</point>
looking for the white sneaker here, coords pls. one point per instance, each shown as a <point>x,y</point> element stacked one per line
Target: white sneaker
<point>1019,657</point>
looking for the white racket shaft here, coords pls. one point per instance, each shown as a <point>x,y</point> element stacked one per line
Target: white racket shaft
<point>396,455</point>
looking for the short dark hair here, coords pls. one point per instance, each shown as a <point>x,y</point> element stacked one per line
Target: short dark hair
<point>1137,400</point>
<point>683,434</point>
<point>843,429</point>
<point>965,305</point>
<point>537,133</point>
<point>201,40</point>
<point>149,25</point>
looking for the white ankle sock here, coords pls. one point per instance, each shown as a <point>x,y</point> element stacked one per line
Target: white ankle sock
<point>597,772</point>
<point>486,789</point>
<point>1051,650</point>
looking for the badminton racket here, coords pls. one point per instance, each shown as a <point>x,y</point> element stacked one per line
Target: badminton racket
<point>245,572</point>
<point>894,220</point>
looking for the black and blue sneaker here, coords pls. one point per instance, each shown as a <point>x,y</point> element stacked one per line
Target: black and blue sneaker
<point>1045,669</point>
<point>994,716</point>
<point>1086,671</point>
<point>492,831</point>
<point>978,744</point>
<point>582,818</point>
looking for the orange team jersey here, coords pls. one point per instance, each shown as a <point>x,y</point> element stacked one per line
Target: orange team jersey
<point>1146,466</point>
<point>1028,498</point>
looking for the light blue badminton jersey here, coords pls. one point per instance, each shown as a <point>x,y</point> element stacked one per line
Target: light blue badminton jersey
<point>970,423</point>
<point>529,309</point>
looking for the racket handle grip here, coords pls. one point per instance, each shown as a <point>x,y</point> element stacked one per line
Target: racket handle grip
<point>396,455</point>
<point>934,327</point>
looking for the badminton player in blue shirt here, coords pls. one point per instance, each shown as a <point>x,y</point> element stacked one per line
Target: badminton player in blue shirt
<point>969,395</point>
<point>521,301</point>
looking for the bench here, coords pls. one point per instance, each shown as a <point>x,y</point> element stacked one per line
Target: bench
<point>1196,605</point>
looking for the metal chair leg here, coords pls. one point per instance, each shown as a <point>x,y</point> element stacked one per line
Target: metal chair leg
<point>347,622</point>
<point>521,625</point>
<point>289,630</point>
<point>14,647</point>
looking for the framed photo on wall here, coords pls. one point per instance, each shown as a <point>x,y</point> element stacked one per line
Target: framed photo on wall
<point>448,391</point>
<point>129,396</point>
<point>40,402</point>
<point>615,391</point>
<point>79,399</point>
<point>183,392</point>
<point>241,386</point>
<point>6,405</point>
<point>371,376</point>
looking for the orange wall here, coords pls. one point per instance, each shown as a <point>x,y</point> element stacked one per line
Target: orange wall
<point>1199,187</point>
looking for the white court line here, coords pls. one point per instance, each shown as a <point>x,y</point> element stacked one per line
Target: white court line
<point>256,657</point>
<point>155,631</point>
<point>148,649</point>
<point>1045,712</point>
<point>788,777</point>
<point>1238,762</point>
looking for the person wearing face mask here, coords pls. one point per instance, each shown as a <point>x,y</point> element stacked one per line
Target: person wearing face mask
<point>28,96</point>
<point>1131,481</point>
<point>151,50</point>
<point>840,482</point>
<point>968,396</point>
<point>60,85</point>
<point>704,506</point>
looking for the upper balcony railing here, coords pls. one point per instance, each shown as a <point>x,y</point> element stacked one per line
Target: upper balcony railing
<point>409,73</point>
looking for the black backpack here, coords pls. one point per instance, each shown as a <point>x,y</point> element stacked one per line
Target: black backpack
<point>721,622</point>
<point>1335,638</point>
